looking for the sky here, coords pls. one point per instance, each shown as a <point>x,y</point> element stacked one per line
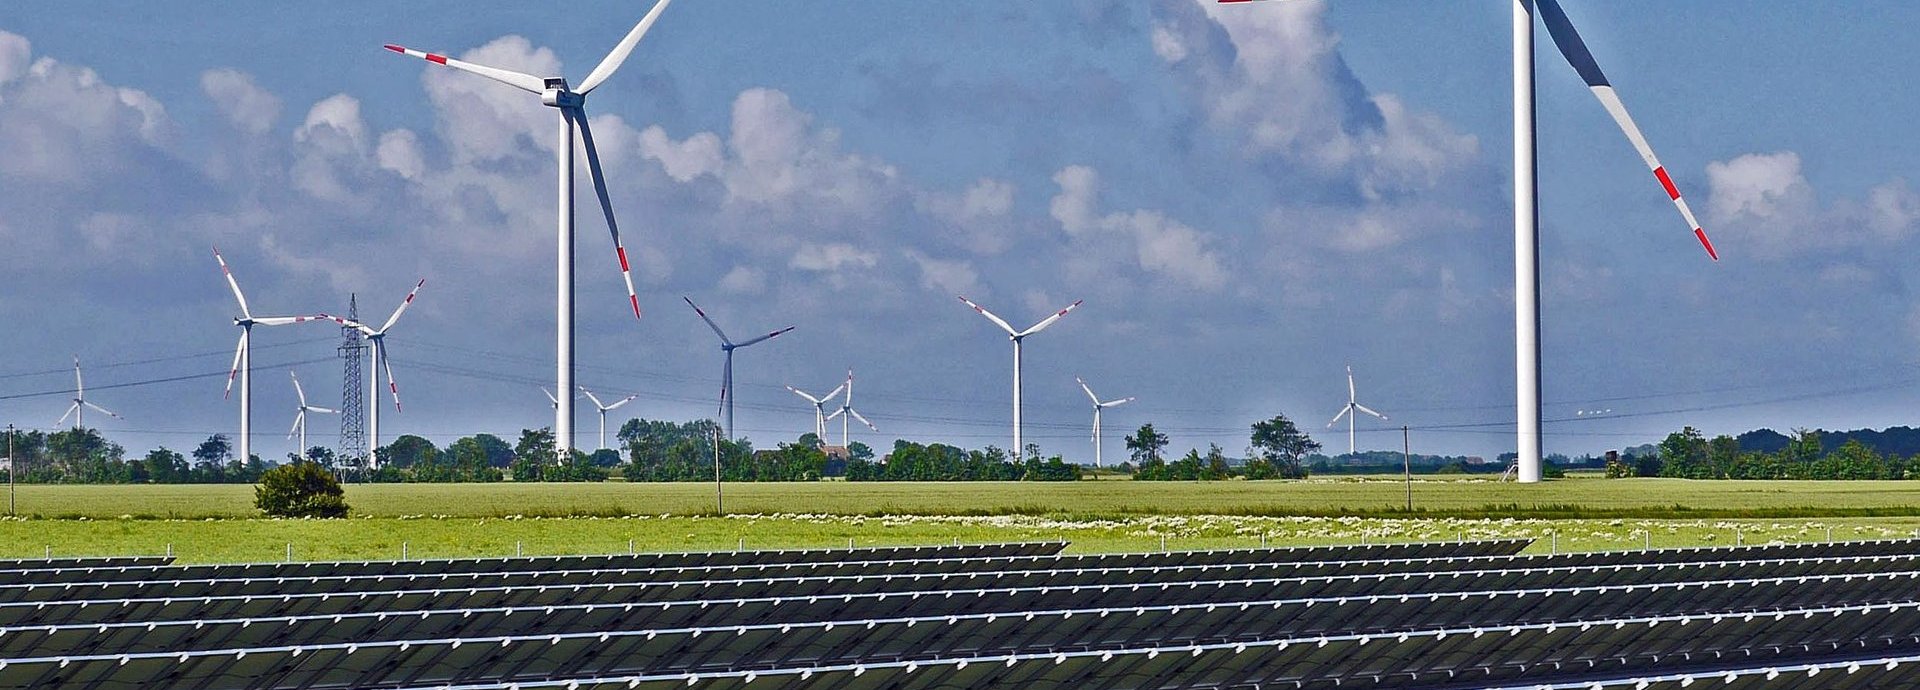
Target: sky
<point>1248,198</point>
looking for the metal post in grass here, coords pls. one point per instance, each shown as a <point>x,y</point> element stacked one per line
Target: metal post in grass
<point>289,552</point>
<point>1739,539</point>
<point>1647,540</point>
<point>403,551</point>
<point>1406,463</point>
<point>1829,534</point>
<point>11,470</point>
<point>630,550</point>
<point>517,550</point>
<point>719,500</point>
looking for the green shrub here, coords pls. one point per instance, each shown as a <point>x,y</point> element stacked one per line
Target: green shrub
<point>301,489</point>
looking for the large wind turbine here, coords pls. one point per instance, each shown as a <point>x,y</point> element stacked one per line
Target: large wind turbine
<point>846,410</point>
<point>1353,406</point>
<point>1017,337</point>
<point>300,420</point>
<point>554,92</point>
<point>819,409</point>
<point>378,337</point>
<point>1526,205</point>
<point>1098,405</point>
<point>728,346</point>
<point>243,355</point>
<point>603,408</point>
<point>80,404</point>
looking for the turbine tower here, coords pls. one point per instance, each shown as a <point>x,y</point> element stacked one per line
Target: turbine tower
<point>555,93</point>
<point>243,355</point>
<point>1348,412</point>
<point>846,410</point>
<point>80,404</point>
<point>1017,337</point>
<point>819,409</point>
<point>1526,205</point>
<point>728,346</point>
<point>604,409</point>
<point>1097,407</point>
<point>377,337</point>
<point>300,420</point>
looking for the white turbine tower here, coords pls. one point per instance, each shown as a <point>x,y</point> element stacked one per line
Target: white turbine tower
<point>819,409</point>
<point>1098,405</point>
<point>1353,405</point>
<point>378,337</point>
<point>80,404</point>
<point>300,420</point>
<point>728,346</point>
<point>1017,337</point>
<point>555,93</point>
<point>603,408</point>
<point>1526,206</point>
<point>243,355</point>
<point>846,410</point>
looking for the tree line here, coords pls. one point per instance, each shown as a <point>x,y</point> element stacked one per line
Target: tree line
<point>1805,454</point>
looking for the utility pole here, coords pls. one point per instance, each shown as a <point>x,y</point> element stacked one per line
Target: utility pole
<point>1406,463</point>
<point>13,470</point>
<point>719,501</point>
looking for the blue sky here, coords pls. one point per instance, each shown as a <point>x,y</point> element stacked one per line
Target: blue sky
<point>1248,198</point>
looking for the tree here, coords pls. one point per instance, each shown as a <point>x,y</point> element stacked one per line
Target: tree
<point>408,451</point>
<point>536,446</point>
<point>301,489</point>
<point>1215,466</point>
<point>1146,445</point>
<point>1284,445</point>
<point>1684,454</point>
<point>210,459</point>
<point>166,467</point>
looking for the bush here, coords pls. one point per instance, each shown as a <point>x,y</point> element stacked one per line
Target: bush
<point>301,489</point>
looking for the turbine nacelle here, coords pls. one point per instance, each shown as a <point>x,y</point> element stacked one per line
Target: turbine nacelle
<point>557,95</point>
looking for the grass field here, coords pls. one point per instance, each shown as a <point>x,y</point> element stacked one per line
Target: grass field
<point>217,524</point>
<point>1378,497</point>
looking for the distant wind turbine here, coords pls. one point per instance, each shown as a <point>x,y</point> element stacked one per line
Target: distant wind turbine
<point>378,337</point>
<point>1353,406</point>
<point>1526,205</point>
<point>555,93</point>
<point>1017,337</point>
<point>819,408</point>
<point>1098,405</point>
<point>603,408</point>
<point>80,403</point>
<point>728,346</point>
<point>846,410</point>
<point>243,354</point>
<point>300,420</point>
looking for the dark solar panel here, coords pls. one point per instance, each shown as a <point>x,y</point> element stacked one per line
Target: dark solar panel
<point>15,567</point>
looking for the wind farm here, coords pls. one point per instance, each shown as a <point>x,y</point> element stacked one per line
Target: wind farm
<point>1229,200</point>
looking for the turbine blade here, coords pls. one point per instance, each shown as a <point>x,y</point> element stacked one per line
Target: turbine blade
<point>863,420</point>
<point>591,396</point>
<point>997,321</point>
<point>327,410</point>
<point>102,410</point>
<point>556,401</point>
<point>1576,53</point>
<point>298,421</point>
<point>1342,415</point>
<point>518,80</point>
<point>710,323</point>
<point>402,309</point>
<point>766,337</point>
<point>836,391</point>
<point>579,118</point>
<point>1090,395</point>
<point>1044,323</point>
<point>235,369</point>
<point>726,385</point>
<point>297,390</point>
<point>79,385</point>
<point>804,394</point>
<point>1364,408</point>
<point>836,413</point>
<point>228,272</point>
<point>622,401</point>
<point>1116,403</point>
<point>392,386</point>
<point>1351,396</point>
<point>63,418</point>
<point>620,52</point>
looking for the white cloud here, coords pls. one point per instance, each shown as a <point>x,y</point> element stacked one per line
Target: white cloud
<point>399,151</point>
<point>15,52</point>
<point>64,125</point>
<point>981,216</point>
<point>950,276</point>
<point>1768,208</point>
<point>243,102</point>
<point>779,156</point>
<point>1161,245</point>
<point>744,280</point>
<point>484,120</point>
<point>832,257</point>
<point>700,154</point>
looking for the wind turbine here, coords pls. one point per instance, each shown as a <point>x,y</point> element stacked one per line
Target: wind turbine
<point>728,346</point>
<point>1097,407</point>
<point>554,400</point>
<point>555,93</point>
<point>1017,337</point>
<point>1353,406</point>
<point>819,409</point>
<point>243,354</point>
<point>846,410</point>
<point>378,338</point>
<point>80,404</point>
<point>604,409</point>
<point>300,420</point>
<point>1526,205</point>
